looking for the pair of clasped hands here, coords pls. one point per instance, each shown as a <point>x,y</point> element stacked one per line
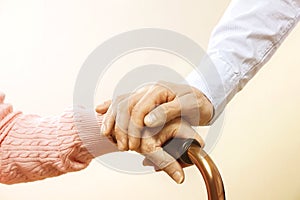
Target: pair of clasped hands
<point>144,120</point>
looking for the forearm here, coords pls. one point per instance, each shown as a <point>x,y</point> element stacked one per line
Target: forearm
<point>246,37</point>
<point>34,148</point>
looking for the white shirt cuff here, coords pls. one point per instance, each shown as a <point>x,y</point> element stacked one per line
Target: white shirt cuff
<point>217,80</point>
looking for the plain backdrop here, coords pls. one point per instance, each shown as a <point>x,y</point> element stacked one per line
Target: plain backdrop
<point>44,43</point>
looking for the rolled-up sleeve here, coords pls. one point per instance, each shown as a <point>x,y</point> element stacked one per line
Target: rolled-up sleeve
<point>246,37</point>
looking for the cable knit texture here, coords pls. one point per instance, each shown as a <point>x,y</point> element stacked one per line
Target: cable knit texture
<point>33,147</point>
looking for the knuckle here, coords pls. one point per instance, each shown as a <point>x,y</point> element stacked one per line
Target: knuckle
<point>120,132</point>
<point>122,107</point>
<point>149,145</point>
<point>136,115</point>
<point>148,148</point>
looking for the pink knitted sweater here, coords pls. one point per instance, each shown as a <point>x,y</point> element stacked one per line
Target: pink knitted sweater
<point>33,147</point>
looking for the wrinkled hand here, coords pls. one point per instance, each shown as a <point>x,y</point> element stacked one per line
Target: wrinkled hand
<point>152,106</point>
<point>154,138</point>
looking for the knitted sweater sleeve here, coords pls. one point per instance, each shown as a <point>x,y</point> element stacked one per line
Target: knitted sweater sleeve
<point>34,148</point>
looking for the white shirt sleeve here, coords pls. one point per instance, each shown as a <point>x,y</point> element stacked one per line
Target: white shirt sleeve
<point>243,41</point>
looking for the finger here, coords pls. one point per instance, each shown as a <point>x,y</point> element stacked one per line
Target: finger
<point>187,106</point>
<point>102,108</point>
<point>108,121</point>
<point>155,96</point>
<point>147,162</point>
<point>167,163</point>
<point>112,138</point>
<point>122,139</point>
<point>121,125</point>
<point>178,128</point>
<point>134,135</point>
<point>163,114</point>
<point>123,119</point>
<point>195,109</point>
<point>175,171</point>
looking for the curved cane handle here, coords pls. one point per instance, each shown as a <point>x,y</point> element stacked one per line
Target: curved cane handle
<point>209,171</point>
<point>189,151</point>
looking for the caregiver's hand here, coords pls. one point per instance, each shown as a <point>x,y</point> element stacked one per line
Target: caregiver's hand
<point>153,140</point>
<point>153,106</point>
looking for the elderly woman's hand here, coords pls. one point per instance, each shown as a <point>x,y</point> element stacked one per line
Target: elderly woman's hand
<point>153,139</point>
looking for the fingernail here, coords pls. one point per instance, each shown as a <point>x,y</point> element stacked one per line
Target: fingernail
<point>178,177</point>
<point>150,119</point>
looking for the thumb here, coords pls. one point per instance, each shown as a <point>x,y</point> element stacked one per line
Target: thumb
<point>147,162</point>
<point>167,163</point>
<point>175,171</point>
<point>102,108</point>
<point>163,114</point>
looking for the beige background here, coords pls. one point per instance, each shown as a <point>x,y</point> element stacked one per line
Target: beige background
<point>43,44</point>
